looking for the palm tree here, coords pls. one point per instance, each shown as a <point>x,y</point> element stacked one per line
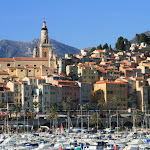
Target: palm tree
<point>35,106</point>
<point>131,100</point>
<point>136,117</point>
<point>87,107</point>
<point>17,107</point>
<point>116,100</point>
<point>2,105</point>
<point>67,103</point>
<point>95,119</point>
<point>101,103</point>
<point>53,114</point>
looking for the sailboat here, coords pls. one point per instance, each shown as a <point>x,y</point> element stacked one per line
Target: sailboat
<point>61,129</point>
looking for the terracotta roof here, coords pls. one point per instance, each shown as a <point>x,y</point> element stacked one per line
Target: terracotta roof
<point>12,68</point>
<point>15,82</point>
<point>20,68</point>
<point>2,92</point>
<point>32,67</point>
<point>39,78</point>
<point>69,85</point>
<point>7,59</point>
<point>111,82</point>
<point>4,73</point>
<point>30,59</point>
<point>101,51</point>
<point>14,76</point>
<point>66,81</point>
<point>9,91</point>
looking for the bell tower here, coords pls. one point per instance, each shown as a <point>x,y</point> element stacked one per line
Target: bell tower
<point>44,45</point>
<point>35,52</point>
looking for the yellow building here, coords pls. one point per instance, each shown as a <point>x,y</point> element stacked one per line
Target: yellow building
<point>98,53</point>
<point>115,94</point>
<point>16,88</point>
<point>87,74</point>
<point>3,76</point>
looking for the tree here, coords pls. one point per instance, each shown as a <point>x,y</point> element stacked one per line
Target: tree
<point>101,102</point>
<point>17,107</point>
<point>99,47</point>
<point>116,101</point>
<point>137,39</point>
<point>67,103</point>
<point>53,114</point>
<point>2,105</point>
<point>95,120</point>
<point>105,46</point>
<point>35,106</point>
<point>137,116</point>
<point>110,47</point>
<point>93,49</point>
<point>142,38</point>
<point>86,107</point>
<point>131,100</point>
<point>120,43</point>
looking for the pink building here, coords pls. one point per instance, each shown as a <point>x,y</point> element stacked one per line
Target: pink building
<point>69,89</point>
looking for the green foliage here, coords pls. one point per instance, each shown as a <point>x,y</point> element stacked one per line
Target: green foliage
<point>110,47</point>
<point>138,116</point>
<point>2,105</point>
<point>93,49</point>
<point>53,113</point>
<point>67,103</point>
<point>99,47</point>
<point>131,100</point>
<point>94,118</point>
<point>101,102</point>
<point>17,107</point>
<point>142,38</point>
<point>86,107</point>
<point>122,44</point>
<point>105,46</point>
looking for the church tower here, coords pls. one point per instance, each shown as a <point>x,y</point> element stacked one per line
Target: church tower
<point>46,51</point>
<point>35,52</point>
<point>44,45</point>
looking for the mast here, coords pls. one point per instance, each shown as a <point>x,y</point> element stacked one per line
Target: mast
<point>81,122</point>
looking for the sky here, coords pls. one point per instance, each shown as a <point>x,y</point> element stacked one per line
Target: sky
<point>78,23</point>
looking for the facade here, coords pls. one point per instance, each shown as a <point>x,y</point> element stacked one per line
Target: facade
<point>87,74</point>
<point>115,94</point>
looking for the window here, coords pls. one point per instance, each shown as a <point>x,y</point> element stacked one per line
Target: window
<point>27,88</point>
<point>18,65</point>
<point>45,55</point>
<point>8,65</point>
<point>21,70</point>
<point>12,71</point>
<point>37,70</point>
<point>29,70</point>
<point>34,65</point>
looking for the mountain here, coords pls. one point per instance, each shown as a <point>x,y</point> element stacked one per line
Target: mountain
<point>134,39</point>
<point>10,48</point>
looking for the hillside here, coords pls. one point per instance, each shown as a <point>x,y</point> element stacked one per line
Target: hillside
<point>134,39</point>
<point>9,48</point>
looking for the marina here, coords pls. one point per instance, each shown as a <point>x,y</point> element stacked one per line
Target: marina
<point>77,139</point>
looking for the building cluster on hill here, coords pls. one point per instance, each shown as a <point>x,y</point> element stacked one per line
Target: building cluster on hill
<point>115,80</point>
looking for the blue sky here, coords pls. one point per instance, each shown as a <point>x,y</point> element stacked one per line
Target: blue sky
<point>78,23</point>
